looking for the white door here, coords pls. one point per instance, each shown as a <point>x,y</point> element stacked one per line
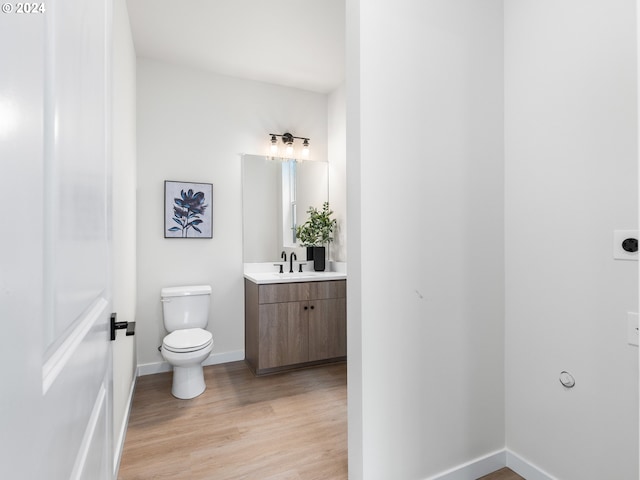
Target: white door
<point>55,294</point>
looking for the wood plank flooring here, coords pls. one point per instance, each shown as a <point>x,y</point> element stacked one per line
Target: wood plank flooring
<point>290,426</point>
<point>502,474</point>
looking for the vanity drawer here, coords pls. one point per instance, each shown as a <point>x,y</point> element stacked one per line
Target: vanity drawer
<point>282,292</point>
<point>328,289</point>
<point>298,292</point>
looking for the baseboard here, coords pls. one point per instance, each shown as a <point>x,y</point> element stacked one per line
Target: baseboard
<point>475,468</point>
<point>123,429</point>
<point>525,468</point>
<point>224,357</point>
<point>152,368</point>
<point>213,359</point>
<point>490,463</point>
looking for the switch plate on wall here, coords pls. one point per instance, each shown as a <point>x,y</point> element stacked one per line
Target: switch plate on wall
<point>632,328</point>
<point>619,244</point>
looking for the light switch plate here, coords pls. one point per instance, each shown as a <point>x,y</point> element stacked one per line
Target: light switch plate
<point>619,236</point>
<point>632,328</point>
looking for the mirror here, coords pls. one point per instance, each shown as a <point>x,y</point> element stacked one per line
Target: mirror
<point>276,194</point>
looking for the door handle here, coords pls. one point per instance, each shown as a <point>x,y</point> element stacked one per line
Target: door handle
<point>130,326</point>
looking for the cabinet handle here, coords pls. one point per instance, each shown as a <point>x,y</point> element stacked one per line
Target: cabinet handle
<point>312,307</point>
<point>306,307</point>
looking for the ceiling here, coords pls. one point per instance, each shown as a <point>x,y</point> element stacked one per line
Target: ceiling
<point>294,43</point>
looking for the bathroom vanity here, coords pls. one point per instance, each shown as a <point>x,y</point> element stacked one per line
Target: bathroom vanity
<point>296,321</point>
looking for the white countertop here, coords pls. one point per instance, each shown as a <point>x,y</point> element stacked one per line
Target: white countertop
<point>273,277</point>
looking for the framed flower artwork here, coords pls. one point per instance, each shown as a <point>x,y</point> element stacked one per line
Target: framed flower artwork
<point>188,210</point>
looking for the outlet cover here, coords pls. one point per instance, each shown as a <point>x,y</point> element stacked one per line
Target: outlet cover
<point>622,240</point>
<point>632,328</point>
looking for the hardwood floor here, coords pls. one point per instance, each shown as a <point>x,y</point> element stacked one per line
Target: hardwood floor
<point>290,426</point>
<point>502,474</point>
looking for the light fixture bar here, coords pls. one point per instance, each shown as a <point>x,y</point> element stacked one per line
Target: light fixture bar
<point>288,140</point>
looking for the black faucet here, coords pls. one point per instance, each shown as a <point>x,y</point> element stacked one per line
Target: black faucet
<point>291,258</point>
<point>283,255</point>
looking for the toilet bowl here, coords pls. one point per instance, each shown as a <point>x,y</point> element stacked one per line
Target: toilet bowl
<point>186,350</point>
<point>185,313</point>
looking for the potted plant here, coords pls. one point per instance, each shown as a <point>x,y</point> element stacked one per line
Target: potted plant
<point>315,233</point>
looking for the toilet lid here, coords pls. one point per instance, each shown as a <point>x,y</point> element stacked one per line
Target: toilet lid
<point>187,340</point>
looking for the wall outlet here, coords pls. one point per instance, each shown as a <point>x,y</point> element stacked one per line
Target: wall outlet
<point>625,244</point>
<point>632,328</point>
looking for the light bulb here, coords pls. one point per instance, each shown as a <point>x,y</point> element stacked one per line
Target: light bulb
<point>274,144</point>
<point>305,148</point>
<point>289,148</point>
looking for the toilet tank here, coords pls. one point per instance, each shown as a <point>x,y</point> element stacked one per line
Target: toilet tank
<point>185,307</point>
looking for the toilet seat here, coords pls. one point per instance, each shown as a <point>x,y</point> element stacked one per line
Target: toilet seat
<point>187,340</point>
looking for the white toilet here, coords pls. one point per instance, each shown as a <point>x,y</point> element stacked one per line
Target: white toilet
<point>186,312</point>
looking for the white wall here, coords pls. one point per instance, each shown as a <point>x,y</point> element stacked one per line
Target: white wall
<point>124,217</point>
<point>338,172</point>
<point>192,126</point>
<point>426,333</point>
<point>571,180</point>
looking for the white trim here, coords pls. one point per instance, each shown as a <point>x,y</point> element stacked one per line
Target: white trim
<point>490,463</point>
<point>475,468</point>
<point>153,368</point>
<point>87,439</point>
<point>119,447</point>
<point>213,359</point>
<point>525,468</point>
<point>56,362</point>
<point>224,357</point>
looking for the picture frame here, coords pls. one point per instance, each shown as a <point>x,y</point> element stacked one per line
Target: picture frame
<point>188,209</point>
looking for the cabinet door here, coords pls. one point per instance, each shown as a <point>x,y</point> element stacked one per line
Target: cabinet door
<point>284,334</point>
<point>327,329</point>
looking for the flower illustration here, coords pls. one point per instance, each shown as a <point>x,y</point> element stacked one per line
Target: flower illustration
<point>187,211</point>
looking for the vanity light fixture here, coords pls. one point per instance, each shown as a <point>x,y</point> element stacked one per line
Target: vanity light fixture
<point>288,141</point>
<point>287,138</point>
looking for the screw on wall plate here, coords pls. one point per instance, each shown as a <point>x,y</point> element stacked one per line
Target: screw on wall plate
<point>567,380</point>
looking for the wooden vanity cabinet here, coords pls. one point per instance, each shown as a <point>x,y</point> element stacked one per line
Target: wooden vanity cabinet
<point>327,329</point>
<point>291,325</point>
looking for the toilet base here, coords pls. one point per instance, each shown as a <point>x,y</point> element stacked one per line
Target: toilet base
<point>188,382</point>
